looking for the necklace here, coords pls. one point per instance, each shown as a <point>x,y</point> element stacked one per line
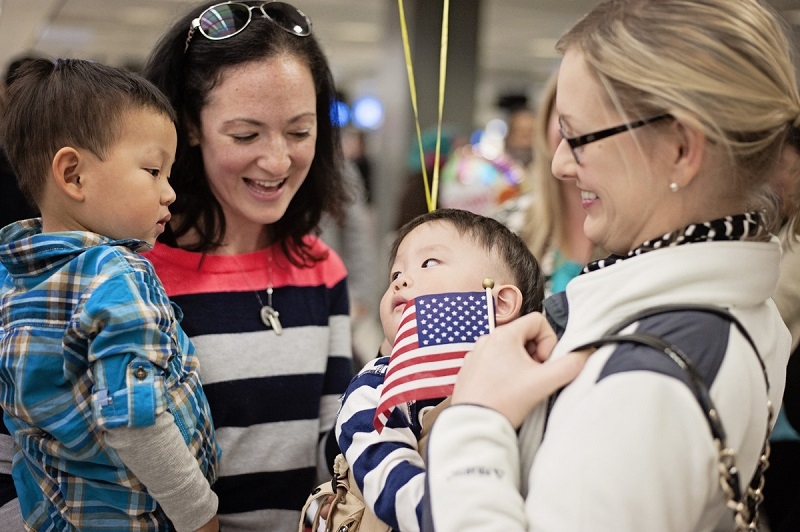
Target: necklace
<point>268,314</point>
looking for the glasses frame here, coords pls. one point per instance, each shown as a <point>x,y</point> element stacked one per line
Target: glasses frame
<point>582,140</point>
<point>196,24</point>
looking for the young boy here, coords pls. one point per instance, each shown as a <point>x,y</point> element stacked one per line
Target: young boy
<point>446,250</point>
<point>98,382</point>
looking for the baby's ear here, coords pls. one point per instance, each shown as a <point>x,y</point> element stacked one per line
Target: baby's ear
<point>66,172</point>
<point>507,303</point>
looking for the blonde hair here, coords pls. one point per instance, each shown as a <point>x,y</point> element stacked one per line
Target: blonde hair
<point>545,219</point>
<point>724,67</point>
<point>545,214</point>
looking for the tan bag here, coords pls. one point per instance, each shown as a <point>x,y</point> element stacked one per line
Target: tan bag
<point>348,511</point>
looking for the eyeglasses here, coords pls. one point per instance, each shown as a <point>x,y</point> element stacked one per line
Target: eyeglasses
<point>225,20</point>
<point>575,143</point>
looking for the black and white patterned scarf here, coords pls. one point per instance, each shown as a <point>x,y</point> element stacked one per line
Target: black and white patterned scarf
<point>737,227</point>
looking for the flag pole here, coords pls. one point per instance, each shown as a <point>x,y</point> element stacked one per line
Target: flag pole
<point>488,284</point>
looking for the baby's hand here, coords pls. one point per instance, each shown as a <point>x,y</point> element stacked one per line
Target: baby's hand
<point>325,509</point>
<point>211,526</point>
<point>506,370</point>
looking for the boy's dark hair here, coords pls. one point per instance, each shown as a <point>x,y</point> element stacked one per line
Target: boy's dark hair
<point>494,237</point>
<point>18,62</point>
<point>187,75</point>
<point>68,102</point>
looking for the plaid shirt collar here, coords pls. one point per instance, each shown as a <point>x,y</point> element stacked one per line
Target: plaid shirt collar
<point>26,250</point>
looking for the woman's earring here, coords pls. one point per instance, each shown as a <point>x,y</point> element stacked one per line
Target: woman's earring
<point>674,186</point>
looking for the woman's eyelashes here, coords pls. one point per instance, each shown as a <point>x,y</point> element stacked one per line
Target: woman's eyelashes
<point>244,138</point>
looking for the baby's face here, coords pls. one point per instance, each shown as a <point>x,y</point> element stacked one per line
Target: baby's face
<point>433,258</point>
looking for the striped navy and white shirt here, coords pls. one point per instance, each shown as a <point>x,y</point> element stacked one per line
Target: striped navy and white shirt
<point>273,398</point>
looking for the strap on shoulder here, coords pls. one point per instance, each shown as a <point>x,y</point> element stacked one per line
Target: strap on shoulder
<point>711,309</point>
<point>745,506</point>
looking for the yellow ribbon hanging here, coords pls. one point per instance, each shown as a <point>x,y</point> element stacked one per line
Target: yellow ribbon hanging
<point>432,190</point>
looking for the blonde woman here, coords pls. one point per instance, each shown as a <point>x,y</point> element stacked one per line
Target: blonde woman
<point>674,115</point>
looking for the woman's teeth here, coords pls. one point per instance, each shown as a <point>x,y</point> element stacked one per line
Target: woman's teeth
<point>267,184</point>
<point>588,196</point>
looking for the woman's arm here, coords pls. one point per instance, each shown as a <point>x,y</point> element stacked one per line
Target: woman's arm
<point>160,459</point>
<point>473,456</point>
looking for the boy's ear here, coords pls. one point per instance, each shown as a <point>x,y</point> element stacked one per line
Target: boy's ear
<point>507,303</point>
<point>66,172</point>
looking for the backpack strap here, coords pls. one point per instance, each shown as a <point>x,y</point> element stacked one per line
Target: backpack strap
<point>744,506</point>
<point>711,309</point>
<point>320,496</point>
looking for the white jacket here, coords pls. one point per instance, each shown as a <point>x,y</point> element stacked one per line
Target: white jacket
<point>627,447</point>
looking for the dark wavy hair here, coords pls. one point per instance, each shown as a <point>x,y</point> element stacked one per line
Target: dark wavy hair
<point>188,75</point>
<point>495,238</point>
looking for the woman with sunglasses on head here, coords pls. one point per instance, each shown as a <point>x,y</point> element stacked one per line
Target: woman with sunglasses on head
<point>674,115</point>
<point>264,301</point>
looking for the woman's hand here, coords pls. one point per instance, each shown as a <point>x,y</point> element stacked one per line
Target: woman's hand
<point>506,370</point>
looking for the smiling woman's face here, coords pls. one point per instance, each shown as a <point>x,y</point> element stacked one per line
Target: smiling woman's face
<point>258,135</point>
<point>624,188</point>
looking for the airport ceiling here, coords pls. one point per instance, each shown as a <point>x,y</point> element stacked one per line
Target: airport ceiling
<point>516,36</point>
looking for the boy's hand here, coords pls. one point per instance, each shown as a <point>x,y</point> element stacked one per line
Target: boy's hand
<point>211,526</point>
<point>506,370</point>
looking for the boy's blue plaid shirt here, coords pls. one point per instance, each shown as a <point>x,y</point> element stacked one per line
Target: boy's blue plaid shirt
<point>90,342</point>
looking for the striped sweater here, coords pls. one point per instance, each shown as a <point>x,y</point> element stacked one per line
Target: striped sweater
<point>273,398</point>
<point>387,467</point>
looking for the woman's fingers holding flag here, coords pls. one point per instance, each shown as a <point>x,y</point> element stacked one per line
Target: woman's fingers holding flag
<point>506,370</point>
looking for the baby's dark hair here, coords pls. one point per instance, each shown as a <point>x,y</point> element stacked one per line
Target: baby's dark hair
<point>68,102</point>
<point>494,237</point>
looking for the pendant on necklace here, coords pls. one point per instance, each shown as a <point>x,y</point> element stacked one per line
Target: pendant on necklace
<point>270,318</point>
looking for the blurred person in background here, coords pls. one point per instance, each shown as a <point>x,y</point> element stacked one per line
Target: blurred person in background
<point>782,489</point>
<point>521,135</point>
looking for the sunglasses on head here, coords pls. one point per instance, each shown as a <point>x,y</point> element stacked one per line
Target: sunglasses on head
<point>227,19</point>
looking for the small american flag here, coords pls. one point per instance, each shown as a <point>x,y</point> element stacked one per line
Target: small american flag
<point>435,333</point>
